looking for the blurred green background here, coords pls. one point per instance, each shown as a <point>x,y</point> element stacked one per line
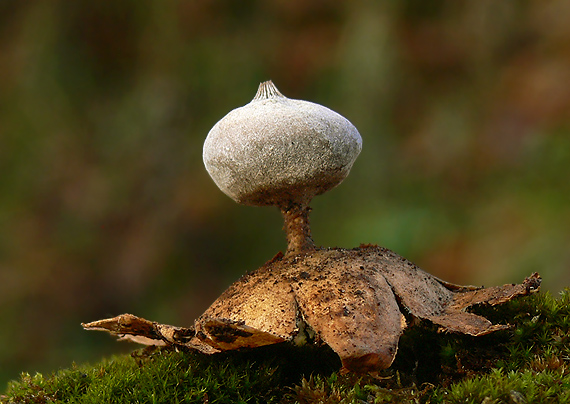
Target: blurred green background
<point>105,207</point>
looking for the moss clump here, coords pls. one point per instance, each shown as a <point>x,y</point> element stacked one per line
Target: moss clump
<point>528,363</point>
<point>158,376</point>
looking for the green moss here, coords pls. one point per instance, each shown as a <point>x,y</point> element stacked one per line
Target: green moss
<point>528,363</point>
<point>160,376</point>
<point>524,386</point>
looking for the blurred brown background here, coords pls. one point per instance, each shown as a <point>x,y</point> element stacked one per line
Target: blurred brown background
<point>105,207</point>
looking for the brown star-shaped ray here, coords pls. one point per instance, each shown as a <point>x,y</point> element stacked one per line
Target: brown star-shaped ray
<point>356,301</point>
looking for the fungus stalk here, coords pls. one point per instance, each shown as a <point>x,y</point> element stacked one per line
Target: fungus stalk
<point>297,229</point>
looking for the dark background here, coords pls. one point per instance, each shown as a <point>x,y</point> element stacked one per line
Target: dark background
<point>105,207</point>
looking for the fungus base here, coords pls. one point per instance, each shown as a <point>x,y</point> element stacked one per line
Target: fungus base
<point>356,301</point>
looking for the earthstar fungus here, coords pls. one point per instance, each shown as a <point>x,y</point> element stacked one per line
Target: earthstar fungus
<point>282,152</point>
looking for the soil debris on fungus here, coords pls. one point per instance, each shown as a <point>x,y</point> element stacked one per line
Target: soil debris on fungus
<point>356,301</point>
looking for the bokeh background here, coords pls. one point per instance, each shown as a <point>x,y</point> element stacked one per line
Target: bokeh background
<point>105,207</point>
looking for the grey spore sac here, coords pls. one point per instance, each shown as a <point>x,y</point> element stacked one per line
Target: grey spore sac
<point>280,151</point>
